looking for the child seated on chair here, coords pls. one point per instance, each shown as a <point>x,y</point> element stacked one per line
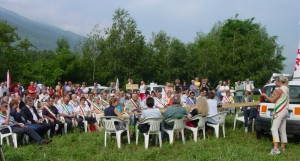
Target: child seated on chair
<point>228,99</point>
<point>201,107</point>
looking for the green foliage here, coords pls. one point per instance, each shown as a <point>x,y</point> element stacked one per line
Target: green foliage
<point>234,49</point>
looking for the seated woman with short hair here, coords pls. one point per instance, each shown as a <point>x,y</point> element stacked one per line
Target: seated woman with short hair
<point>201,107</point>
<point>113,111</point>
<point>86,112</point>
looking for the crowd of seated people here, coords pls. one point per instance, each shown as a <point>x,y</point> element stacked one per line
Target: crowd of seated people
<point>40,109</point>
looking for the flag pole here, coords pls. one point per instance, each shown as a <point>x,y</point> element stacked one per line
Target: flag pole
<point>7,80</point>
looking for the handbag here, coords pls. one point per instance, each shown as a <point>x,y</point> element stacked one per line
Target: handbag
<point>143,128</point>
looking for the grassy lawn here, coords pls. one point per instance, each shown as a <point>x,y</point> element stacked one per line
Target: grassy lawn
<point>237,145</point>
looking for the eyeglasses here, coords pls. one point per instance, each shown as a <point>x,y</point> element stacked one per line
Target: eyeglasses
<point>5,106</point>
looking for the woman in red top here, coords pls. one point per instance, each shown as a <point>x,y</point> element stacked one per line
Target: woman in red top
<point>51,91</point>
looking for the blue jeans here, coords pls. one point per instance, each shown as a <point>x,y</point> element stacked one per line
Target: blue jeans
<point>35,127</point>
<point>249,113</point>
<point>212,121</point>
<point>165,126</point>
<point>231,110</point>
<point>239,98</point>
<point>218,94</point>
<point>197,92</point>
<point>132,119</point>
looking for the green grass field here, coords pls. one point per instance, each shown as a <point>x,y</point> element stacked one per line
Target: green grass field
<point>237,145</point>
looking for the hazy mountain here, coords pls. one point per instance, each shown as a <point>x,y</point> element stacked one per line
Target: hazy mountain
<point>40,35</point>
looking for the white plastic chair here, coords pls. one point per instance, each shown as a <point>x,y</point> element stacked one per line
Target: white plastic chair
<point>109,125</point>
<point>85,123</point>
<point>241,118</point>
<point>238,118</point>
<point>49,131</point>
<point>201,126</point>
<point>66,125</point>
<point>153,129</point>
<point>179,124</point>
<point>6,135</point>
<point>222,116</point>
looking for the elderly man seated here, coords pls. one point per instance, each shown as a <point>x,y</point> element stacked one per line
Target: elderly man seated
<point>66,110</point>
<point>174,111</point>
<point>18,128</point>
<point>133,106</point>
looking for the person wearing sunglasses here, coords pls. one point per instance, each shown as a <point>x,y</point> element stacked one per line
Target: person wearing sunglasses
<point>191,100</point>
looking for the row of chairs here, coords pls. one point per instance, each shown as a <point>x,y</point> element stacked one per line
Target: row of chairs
<point>155,125</point>
<point>179,125</point>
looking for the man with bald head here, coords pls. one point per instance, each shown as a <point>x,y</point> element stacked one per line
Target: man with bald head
<point>66,110</point>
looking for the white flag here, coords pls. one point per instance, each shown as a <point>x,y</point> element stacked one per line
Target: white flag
<point>117,84</point>
<point>297,66</point>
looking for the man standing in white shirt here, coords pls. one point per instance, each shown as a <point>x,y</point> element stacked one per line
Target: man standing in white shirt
<point>223,89</point>
<point>142,90</point>
<point>2,89</point>
<point>249,86</point>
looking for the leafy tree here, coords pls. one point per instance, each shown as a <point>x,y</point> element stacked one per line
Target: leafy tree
<point>124,48</point>
<point>250,51</point>
<point>12,50</point>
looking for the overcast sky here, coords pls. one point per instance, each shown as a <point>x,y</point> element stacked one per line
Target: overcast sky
<point>178,18</point>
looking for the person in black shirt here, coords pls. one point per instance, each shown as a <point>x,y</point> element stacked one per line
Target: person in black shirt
<point>204,87</point>
<point>112,111</point>
<point>178,86</point>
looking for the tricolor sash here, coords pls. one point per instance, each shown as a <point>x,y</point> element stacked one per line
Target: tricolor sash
<point>56,105</point>
<point>226,98</point>
<point>133,103</point>
<point>191,100</point>
<point>96,106</point>
<point>89,101</point>
<point>279,108</point>
<point>105,102</point>
<point>159,101</point>
<point>82,110</point>
<point>74,103</point>
<point>65,108</point>
<point>49,111</point>
<point>11,119</point>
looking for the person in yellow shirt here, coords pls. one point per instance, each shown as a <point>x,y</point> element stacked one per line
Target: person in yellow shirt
<point>197,83</point>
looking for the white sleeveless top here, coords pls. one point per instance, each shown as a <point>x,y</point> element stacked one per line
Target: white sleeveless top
<point>142,88</point>
<point>285,93</point>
